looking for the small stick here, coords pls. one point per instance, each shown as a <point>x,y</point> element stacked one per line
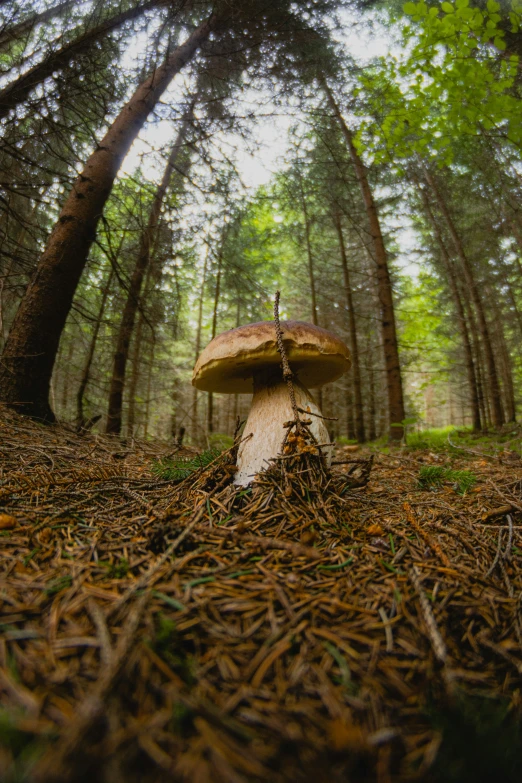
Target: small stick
<point>319,415</point>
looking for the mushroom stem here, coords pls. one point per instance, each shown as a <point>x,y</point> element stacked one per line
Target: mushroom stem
<point>270,409</point>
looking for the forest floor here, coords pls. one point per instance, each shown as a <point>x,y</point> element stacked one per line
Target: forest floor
<point>325,628</point>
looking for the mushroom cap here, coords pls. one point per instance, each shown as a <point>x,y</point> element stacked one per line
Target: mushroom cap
<point>229,362</point>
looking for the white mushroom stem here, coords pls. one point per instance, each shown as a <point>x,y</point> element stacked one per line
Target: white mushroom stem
<point>270,410</point>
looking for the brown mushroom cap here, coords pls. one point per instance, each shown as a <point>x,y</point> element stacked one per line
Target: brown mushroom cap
<point>230,360</point>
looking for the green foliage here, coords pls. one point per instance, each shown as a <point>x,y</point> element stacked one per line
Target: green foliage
<point>434,476</point>
<point>342,440</point>
<point>450,80</point>
<point>435,439</point>
<point>179,468</point>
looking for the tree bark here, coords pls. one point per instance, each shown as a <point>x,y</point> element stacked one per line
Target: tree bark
<point>350,419</point>
<point>135,374</point>
<point>210,407</point>
<point>86,373</point>
<point>493,382</point>
<point>121,355</point>
<point>149,384</point>
<point>356,368</point>
<point>457,301</point>
<point>195,423</point>
<point>384,287</point>
<point>30,350</point>
<point>504,360</point>
<point>309,255</point>
<point>371,403</point>
<point>15,93</point>
<point>11,32</point>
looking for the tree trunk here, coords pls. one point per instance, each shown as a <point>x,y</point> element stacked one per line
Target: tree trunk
<point>12,32</point>
<point>493,382</point>
<point>356,368</point>
<point>90,354</point>
<point>135,374</point>
<point>16,92</point>
<point>457,301</point>
<point>311,274</point>
<point>350,420</point>
<point>149,384</point>
<point>505,360</point>
<point>121,355</point>
<point>380,259</point>
<point>210,407</point>
<point>66,376</point>
<point>195,423</point>
<point>30,350</point>
<point>371,403</point>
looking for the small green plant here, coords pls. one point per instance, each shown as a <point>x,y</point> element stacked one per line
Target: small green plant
<point>435,475</point>
<point>179,468</point>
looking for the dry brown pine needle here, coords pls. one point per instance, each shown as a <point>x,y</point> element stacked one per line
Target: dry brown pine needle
<point>294,631</point>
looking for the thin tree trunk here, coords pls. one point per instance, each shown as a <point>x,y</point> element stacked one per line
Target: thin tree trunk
<point>135,374</point>
<point>356,368</point>
<point>15,93</point>
<point>195,423</point>
<point>90,354</point>
<point>30,350</point>
<point>149,384</point>
<point>380,258</point>
<point>66,377</point>
<point>3,279</point>
<point>505,361</point>
<point>350,421</point>
<point>210,407</point>
<point>457,301</point>
<point>15,31</point>
<point>371,403</point>
<point>236,396</point>
<point>132,303</point>
<point>309,255</point>
<point>493,382</point>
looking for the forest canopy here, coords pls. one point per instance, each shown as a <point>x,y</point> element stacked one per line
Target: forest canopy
<point>166,166</point>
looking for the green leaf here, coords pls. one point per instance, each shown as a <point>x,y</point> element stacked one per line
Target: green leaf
<point>462,3</point>
<point>447,8</point>
<point>492,6</point>
<point>409,8</point>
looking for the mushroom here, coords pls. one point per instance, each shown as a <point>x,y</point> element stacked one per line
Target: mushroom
<point>246,360</point>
